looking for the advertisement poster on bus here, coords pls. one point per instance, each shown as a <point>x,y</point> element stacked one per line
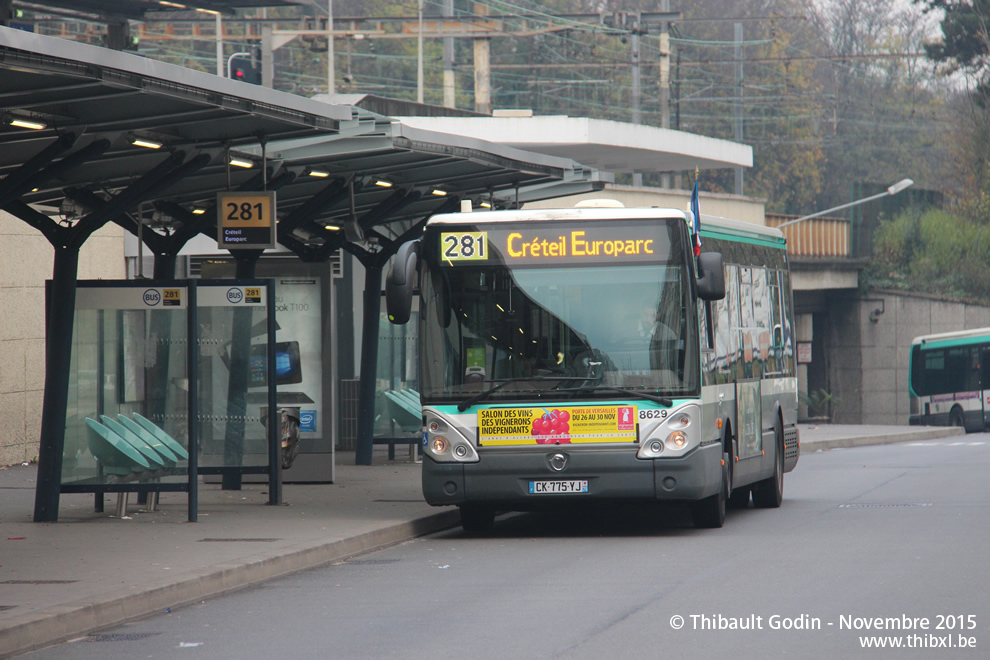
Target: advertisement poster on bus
<point>750,415</point>
<point>552,426</point>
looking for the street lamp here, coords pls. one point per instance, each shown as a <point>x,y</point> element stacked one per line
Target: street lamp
<point>892,190</point>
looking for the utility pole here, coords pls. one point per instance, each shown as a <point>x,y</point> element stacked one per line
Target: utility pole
<point>636,92</point>
<point>737,132</point>
<point>267,58</point>
<point>634,61</point>
<point>449,88</point>
<point>419,56</point>
<point>220,58</point>
<point>331,87</point>
<point>482,68</point>
<point>664,80</point>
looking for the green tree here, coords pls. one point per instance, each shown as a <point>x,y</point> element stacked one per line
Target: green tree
<point>884,114</point>
<point>965,42</point>
<point>964,49</point>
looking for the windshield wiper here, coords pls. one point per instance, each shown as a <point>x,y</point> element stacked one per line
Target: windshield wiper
<point>470,401</point>
<point>662,400</point>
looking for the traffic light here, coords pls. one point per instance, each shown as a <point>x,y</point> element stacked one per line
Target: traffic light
<point>246,67</point>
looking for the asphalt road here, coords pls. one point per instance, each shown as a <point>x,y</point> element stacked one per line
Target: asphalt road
<point>894,537</point>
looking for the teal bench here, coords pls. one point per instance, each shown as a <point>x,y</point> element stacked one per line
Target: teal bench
<point>132,449</point>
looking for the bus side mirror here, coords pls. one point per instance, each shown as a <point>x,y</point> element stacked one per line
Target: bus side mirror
<point>400,283</point>
<point>711,276</point>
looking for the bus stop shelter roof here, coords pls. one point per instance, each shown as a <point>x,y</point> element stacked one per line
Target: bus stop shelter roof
<point>94,102</point>
<point>606,145</point>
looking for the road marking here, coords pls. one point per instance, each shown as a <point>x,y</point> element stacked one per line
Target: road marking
<point>946,444</point>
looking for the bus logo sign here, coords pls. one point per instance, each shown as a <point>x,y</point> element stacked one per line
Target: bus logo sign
<point>627,418</point>
<point>152,297</point>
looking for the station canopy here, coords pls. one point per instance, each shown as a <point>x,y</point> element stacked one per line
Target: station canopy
<point>114,137</point>
<point>603,144</point>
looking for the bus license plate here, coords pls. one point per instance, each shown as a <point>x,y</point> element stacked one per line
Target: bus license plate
<point>558,487</point>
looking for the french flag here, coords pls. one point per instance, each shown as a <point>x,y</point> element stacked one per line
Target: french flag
<point>696,212</point>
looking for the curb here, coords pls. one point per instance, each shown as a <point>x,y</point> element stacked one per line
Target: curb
<point>63,622</point>
<point>927,433</point>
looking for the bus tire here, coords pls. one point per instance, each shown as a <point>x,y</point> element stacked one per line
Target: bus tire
<point>709,513</point>
<point>476,518</point>
<point>739,498</point>
<point>769,493</point>
<point>957,418</point>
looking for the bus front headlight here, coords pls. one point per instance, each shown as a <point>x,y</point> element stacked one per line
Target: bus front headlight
<point>440,445</point>
<point>446,444</point>
<point>676,435</point>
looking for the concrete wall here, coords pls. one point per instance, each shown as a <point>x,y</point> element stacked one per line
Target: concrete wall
<point>735,207</point>
<point>25,263</point>
<point>868,347</point>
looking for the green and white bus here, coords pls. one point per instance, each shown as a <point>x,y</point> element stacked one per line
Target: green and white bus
<point>949,379</point>
<point>583,354</point>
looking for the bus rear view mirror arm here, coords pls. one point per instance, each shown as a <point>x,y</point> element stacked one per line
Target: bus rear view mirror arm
<point>711,276</point>
<point>401,282</point>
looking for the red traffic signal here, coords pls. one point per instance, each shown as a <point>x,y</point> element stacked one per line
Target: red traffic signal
<point>245,68</point>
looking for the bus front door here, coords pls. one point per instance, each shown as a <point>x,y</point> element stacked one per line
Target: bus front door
<point>985,385</point>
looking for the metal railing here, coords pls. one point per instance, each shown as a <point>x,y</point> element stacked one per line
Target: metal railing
<point>817,237</point>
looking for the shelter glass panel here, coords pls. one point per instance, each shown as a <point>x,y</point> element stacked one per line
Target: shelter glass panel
<point>398,411</point>
<point>125,419</point>
<point>233,368</point>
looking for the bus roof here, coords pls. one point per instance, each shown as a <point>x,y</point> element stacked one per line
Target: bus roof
<point>961,337</point>
<point>734,229</point>
<point>710,225</point>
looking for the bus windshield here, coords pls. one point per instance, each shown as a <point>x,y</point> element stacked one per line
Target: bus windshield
<point>557,328</point>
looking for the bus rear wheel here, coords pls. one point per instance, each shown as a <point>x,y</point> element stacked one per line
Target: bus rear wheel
<point>739,498</point>
<point>956,418</point>
<point>769,493</point>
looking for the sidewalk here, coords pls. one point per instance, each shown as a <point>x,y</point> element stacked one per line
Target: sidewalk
<point>822,437</point>
<point>90,571</point>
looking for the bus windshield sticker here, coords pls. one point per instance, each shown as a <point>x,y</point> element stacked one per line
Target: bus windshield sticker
<point>551,426</point>
<point>464,246</point>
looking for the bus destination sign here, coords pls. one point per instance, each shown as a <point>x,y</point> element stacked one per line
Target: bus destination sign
<point>246,220</point>
<point>546,244</point>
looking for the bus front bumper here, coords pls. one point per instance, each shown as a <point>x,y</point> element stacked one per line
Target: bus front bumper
<point>503,478</point>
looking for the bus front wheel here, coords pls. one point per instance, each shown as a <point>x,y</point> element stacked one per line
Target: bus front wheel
<point>709,513</point>
<point>475,518</point>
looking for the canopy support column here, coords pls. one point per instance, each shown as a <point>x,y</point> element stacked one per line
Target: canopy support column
<point>233,443</point>
<point>369,362</point>
<point>58,353</point>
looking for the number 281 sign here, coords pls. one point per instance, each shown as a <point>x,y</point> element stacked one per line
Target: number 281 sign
<point>246,220</point>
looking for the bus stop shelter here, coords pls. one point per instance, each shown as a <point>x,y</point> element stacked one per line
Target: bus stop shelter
<point>91,136</point>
